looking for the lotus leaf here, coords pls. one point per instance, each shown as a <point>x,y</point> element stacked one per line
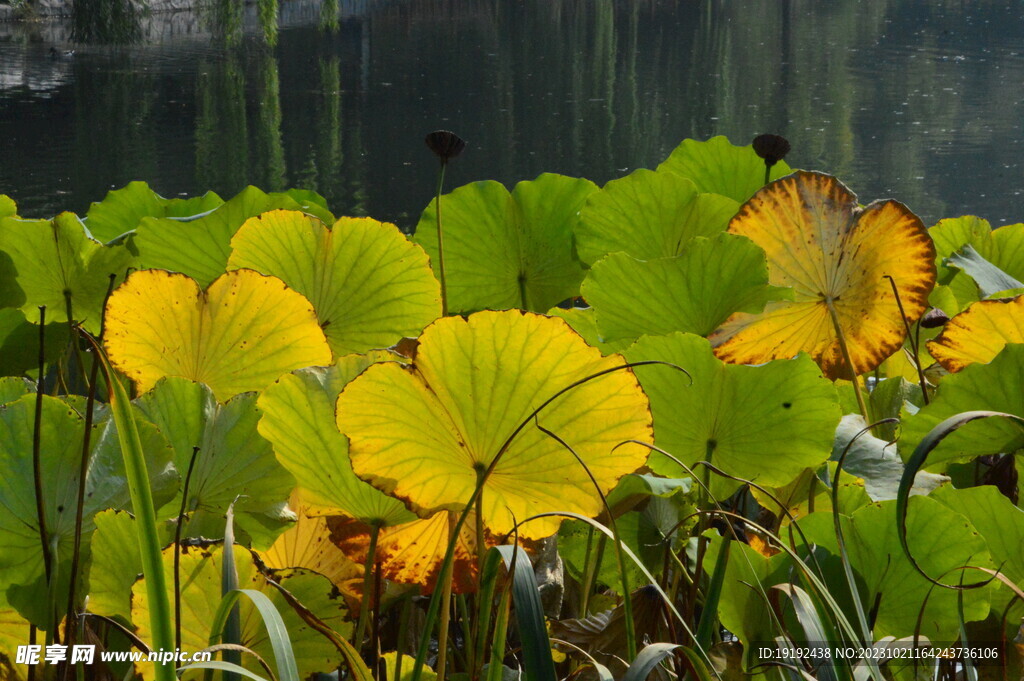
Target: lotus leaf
<point>998,521</point>
<point>19,342</point>
<point>583,321</point>
<point>240,334</point>
<point>941,541</point>
<point>123,209</point>
<point>61,433</point>
<point>412,553</point>
<point>990,279</point>
<point>298,419</point>
<point>8,209</point>
<point>53,260</point>
<point>369,286</point>
<point>427,432</point>
<point>693,292</point>
<point>835,255</point>
<point>306,544</point>
<point>14,632</point>
<point>116,565</point>
<point>876,462</point>
<point>1002,248</point>
<point>649,215</point>
<point>508,250</point>
<point>765,423</point>
<point>996,386</point>
<point>979,333</point>
<point>408,664</point>
<point>720,167</point>
<point>200,246</point>
<point>748,577</point>
<point>233,461</point>
<point>201,594</point>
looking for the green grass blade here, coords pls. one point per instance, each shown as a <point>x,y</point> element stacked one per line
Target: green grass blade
<point>647,659</point>
<point>709,615</point>
<point>277,634</point>
<point>814,631</point>
<point>229,583</point>
<point>916,462</point>
<point>226,667</point>
<point>160,614</point>
<point>537,663</point>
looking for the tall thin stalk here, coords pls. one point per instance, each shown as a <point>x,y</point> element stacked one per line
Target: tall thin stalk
<point>913,340</point>
<point>854,377</point>
<point>177,549</point>
<point>446,145</point>
<point>37,466</point>
<point>83,466</point>
<point>368,567</point>
<point>161,617</point>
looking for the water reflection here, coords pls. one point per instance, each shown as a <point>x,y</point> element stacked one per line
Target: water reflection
<point>917,100</point>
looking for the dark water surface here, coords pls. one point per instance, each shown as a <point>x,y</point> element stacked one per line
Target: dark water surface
<point>922,101</point>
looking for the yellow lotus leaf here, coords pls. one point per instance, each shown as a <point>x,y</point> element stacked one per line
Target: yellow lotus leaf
<point>425,431</point>
<point>412,553</point>
<point>979,333</point>
<point>835,256</point>
<point>240,334</point>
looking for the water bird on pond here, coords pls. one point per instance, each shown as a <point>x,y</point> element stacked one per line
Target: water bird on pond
<point>61,54</point>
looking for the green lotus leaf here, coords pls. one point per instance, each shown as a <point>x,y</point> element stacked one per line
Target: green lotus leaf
<point>941,540</point>
<point>719,167</point>
<point>888,399</point>
<point>8,209</point>
<point>53,259</point>
<point>200,246</point>
<point>998,521</point>
<point>298,420</point>
<point>693,292</point>
<point>1002,249</point>
<point>748,577</point>
<point>649,215</point>
<point>807,493</point>
<point>996,386</point>
<point>584,322</point>
<point>508,250</point>
<point>580,547</point>
<point>116,564</point>
<point>369,286</point>
<point>990,279</point>
<point>765,423</point>
<point>19,343</point>
<point>234,461</point>
<point>12,388</point>
<point>201,593</point>
<point>876,462</point>
<point>123,209</point>
<point>61,432</point>
<point>425,432</point>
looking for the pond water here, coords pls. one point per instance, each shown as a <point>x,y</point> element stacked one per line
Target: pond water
<point>919,100</point>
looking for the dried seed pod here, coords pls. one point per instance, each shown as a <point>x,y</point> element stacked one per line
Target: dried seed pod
<point>772,148</point>
<point>934,318</point>
<point>446,144</point>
